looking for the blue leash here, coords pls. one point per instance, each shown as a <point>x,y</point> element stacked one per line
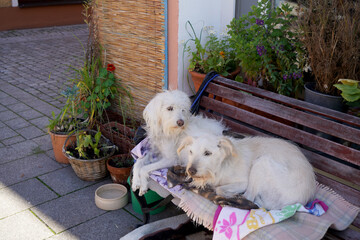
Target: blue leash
<point>209,77</point>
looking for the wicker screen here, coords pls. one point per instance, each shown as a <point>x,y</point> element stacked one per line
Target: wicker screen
<point>133,34</point>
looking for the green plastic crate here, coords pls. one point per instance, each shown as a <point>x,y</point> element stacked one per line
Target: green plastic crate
<point>150,197</point>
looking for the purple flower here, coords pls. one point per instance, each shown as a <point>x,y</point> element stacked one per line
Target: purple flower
<point>285,76</point>
<point>260,50</point>
<point>259,22</point>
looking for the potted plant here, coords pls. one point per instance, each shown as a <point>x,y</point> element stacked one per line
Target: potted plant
<point>214,55</point>
<point>88,154</point>
<point>331,36</point>
<point>63,124</point>
<point>350,91</point>
<point>267,47</point>
<point>119,167</point>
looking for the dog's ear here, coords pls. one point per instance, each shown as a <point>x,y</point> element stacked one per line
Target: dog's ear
<point>227,146</point>
<point>151,113</point>
<point>185,142</point>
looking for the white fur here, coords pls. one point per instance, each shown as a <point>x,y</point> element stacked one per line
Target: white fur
<point>271,172</point>
<point>161,116</point>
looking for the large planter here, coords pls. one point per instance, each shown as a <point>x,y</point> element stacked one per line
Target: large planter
<point>325,100</point>
<point>118,174</point>
<point>88,169</point>
<point>58,140</point>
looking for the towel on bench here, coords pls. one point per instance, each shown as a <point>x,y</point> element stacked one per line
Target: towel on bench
<point>301,225</point>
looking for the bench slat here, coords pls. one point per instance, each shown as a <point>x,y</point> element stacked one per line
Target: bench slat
<point>296,135</point>
<point>284,112</point>
<point>295,103</point>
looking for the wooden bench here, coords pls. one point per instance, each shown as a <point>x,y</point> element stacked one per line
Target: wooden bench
<point>329,139</point>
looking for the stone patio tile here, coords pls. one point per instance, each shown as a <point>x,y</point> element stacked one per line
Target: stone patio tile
<point>24,225</point>
<point>70,210</point>
<point>11,141</point>
<point>111,225</point>
<point>25,148</point>
<point>30,114</point>
<point>22,196</point>
<point>7,115</point>
<point>7,132</point>
<point>2,108</point>
<point>69,181</point>
<point>44,142</point>
<point>19,107</point>
<point>30,132</point>
<point>7,154</point>
<point>28,167</point>
<point>9,101</point>
<point>41,122</point>
<point>17,123</point>
<point>3,95</point>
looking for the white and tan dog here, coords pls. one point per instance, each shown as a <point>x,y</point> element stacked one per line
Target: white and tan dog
<point>168,121</point>
<point>271,172</point>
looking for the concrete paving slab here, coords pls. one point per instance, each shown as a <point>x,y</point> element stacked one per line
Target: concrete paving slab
<point>69,181</point>
<point>13,140</point>
<point>19,107</point>
<point>2,108</point>
<point>30,114</point>
<point>30,132</point>
<point>25,148</point>
<point>24,225</point>
<point>7,132</point>
<point>17,123</point>
<point>9,101</point>
<point>22,196</point>
<point>7,154</point>
<point>70,210</point>
<point>44,142</point>
<point>41,122</point>
<point>111,225</point>
<point>28,167</point>
<point>7,115</point>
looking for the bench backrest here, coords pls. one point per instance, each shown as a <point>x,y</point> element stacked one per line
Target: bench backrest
<point>330,139</point>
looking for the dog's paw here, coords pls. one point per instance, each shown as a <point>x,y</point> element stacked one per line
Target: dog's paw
<point>135,184</point>
<point>143,190</point>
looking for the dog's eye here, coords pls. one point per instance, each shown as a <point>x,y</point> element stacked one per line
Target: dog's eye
<point>170,108</point>
<point>207,153</point>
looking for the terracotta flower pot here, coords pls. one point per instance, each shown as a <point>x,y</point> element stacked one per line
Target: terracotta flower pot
<point>118,174</point>
<point>58,141</point>
<point>198,78</point>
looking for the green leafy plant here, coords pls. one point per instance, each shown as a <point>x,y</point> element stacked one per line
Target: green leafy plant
<point>268,49</point>
<point>87,142</point>
<point>350,91</point>
<point>67,121</point>
<point>214,55</point>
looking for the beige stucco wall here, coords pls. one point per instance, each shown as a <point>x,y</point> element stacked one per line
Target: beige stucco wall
<point>5,3</point>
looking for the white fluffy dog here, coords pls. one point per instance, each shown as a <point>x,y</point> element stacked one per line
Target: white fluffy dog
<point>271,172</point>
<point>168,121</point>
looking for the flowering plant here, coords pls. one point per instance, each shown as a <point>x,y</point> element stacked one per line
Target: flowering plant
<point>268,48</point>
<point>214,55</point>
<point>97,87</point>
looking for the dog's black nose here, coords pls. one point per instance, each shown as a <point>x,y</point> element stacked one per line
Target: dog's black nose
<point>192,171</point>
<point>180,122</point>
